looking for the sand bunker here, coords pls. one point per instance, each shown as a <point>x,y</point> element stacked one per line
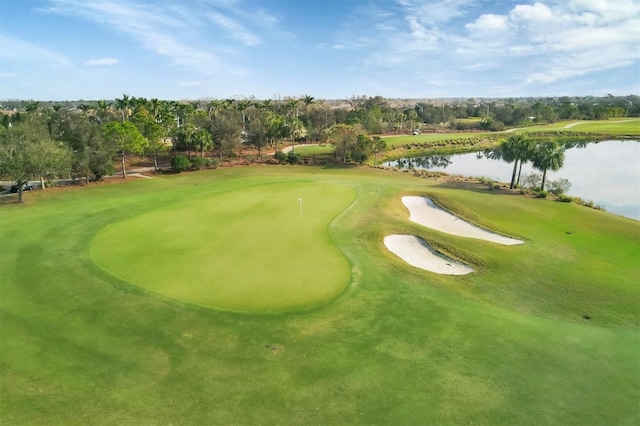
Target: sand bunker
<point>426,213</point>
<point>417,252</point>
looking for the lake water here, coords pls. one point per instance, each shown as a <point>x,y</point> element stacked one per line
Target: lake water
<point>607,173</point>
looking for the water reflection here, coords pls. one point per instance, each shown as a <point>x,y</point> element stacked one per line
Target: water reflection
<point>608,173</point>
<point>423,163</point>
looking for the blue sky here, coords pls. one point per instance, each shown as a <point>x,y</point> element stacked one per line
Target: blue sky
<point>329,49</point>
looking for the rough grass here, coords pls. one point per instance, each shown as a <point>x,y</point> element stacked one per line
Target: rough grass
<point>505,345</point>
<point>396,141</point>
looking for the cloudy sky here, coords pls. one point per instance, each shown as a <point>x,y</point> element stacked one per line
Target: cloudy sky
<point>329,49</point>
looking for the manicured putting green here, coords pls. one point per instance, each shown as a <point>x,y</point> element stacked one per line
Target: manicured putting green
<point>265,248</point>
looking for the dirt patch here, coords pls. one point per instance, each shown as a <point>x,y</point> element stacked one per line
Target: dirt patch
<point>274,349</point>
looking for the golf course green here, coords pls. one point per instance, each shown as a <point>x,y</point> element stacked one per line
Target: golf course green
<point>262,249</point>
<point>217,297</point>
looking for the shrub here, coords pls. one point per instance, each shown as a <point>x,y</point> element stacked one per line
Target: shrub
<point>179,163</point>
<point>100,170</point>
<point>280,156</point>
<point>532,180</point>
<point>212,162</point>
<point>293,158</point>
<point>559,187</point>
<point>198,163</point>
<point>564,198</point>
<point>542,194</point>
<point>497,126</point>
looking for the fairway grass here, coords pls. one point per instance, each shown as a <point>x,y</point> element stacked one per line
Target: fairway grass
<point>541,333</point>
<point>628,127</point>
<point>262,249</point>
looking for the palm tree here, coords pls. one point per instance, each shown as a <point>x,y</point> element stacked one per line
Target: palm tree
<point>547,155</point>
<point>308,100</point>
<point>213,107</point>
<point>517,149</point>
<point>155,107</point>
<point>102,109</point>
<point>242,106</point>
<point>202,140</point>
<point>290,106</point>
<point>124,105</point>
<point>266,105</point>
<point>85,108</point>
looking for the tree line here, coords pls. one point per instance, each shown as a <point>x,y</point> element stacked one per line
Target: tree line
<point>44,140</point>
<point>50,141</point>
<point>377,115</point>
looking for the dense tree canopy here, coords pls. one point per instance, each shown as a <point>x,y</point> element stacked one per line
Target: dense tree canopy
<point>46,139</point>
<point>27,152</point>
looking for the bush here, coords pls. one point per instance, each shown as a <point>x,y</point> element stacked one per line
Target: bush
<point>542,194</point>
<point>532,180</point>
<point>497,126</point>
<point>280,156</point>
<point>198,163</point>
<point>212,162</point>
<point>180,163</point>
<point>565,198</point>
<point>293,158</point>
<point>559,187</point>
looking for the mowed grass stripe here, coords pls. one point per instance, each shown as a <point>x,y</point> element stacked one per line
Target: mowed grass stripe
<point>259,249</point>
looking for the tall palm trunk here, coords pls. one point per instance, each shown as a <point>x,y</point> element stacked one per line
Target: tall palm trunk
<point>513,175</point>
<point>124,172</point>
<point>519,172</point>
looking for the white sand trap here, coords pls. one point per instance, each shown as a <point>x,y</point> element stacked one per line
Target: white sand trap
<point>425,212</point>
<point>417,252</point>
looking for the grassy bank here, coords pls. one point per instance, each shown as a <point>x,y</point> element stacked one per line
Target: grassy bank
<point>459,142</point>
<point>542,333</point>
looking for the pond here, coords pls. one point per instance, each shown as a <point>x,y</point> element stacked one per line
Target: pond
<point>607,173</point>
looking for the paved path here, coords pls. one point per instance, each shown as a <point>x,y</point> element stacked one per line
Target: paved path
<point>568,126</point>
<point>289,148</point>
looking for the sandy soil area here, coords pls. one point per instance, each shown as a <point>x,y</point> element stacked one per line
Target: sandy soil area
<point>417,252</point>
<point>424,211</point>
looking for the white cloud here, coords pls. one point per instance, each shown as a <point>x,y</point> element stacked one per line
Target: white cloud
<point>489,23</point>
<point>235,30</point>
<point>538,42</point>
<point>436,12</point>
<point>189,83</point>
<point>538,13</point>
<point>146,25</point>
<point>606,10</point>
<point>102,62</point>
